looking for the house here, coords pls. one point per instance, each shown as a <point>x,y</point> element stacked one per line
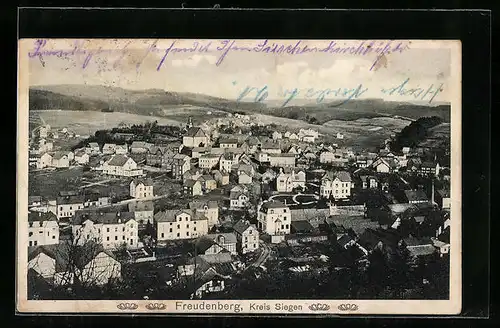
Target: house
<point>62,159</point>
<point>384,165</point>
<point>193,188</point>
<point>81,157</point>
<point>238,198</point>
<point>413,164</point>
<point>141,188</point>
<point>143,211</point>
<point>277,135</point>
<point>222,178</point>
<point>281,160</point>
<point>442,198</point>
<point>180,165</point>
<point>95,200</point>
<point>290,178</point>
<point>268,176</point>
<point>227,241</point>
<point>274,218</point>
<point>301,226</point>
<point>208,161</point>
<point>68,205</point>
<point>121,149</point>
<point>43,229</point>
<point>419,247</point>
<point>308,138</point>
<point>369,182</point>
<point>336,184</point>
<point>247,236</point>
<point>207,246</point>
<point>121,165</point>
<point>111,229</point>
<point>262,157</point>
<point>228,143</point>
<point>334,157</point>
<point>208,182</point>
<point>44,161</point>
<point>208,208</point>
<point>43,131</point>
<point>416,196</point>
<point>140,147</point>
<point>441,247</point>
<point>192,174</point>
<point>195,137</point>
<point>271,148</point>
<point>62,264</point>
<point>197,152</point>
<point>109,149</point>
<point>227,161</point>
<point>291,135</point>
<point>159,156</point>
<point>180,224</point>
<point>406,150</point>
<point>92,148</point>
<point>429,168</point>
<point>340,136</point>
<point>244,172</point>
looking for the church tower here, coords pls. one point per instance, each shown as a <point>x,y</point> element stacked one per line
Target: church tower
<point>190,123</point>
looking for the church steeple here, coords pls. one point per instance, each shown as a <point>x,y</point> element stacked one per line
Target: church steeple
<point>189,123</point>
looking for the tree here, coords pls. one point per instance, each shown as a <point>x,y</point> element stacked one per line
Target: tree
<point>377,273</point>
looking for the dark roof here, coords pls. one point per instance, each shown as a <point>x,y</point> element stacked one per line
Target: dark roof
<point>199,204</point>
<point>301,226</point>
<point>195,132</point>
<point>415,195</point>
<point>228,141</point>
<point>118,160</point>
<point>228,237</point>
<point>67,255</point>
<point>170,215</point>
<point>60,154</point>
<point>40,216</point>
<point>190,182</point>
<point>343,176</point>
<point>344,240</point>
<point>146,182</point>
<point>203,244</point>
<point>76,199</point>
<point>139,206</point>
<point>273,204</point>
<point>241,226</point>
<point>34,199</point>
<point>102,217</point>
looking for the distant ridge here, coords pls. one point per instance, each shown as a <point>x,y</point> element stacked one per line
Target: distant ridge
<point>155,101</point>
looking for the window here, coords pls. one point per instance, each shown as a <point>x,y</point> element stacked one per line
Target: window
<point>35,243</point>
<point>61,208</point>
<point>107,238</point>
<point>41,224</point>
<point>163,235</point>
<point>284,211</point>
<point>70,208</point>
<point>170,230</point>
<point>116,229</point>
<point>107,229</point>
<point>187,226</point>
<point>178,226</point>
<point>99,230</point>
<point>131,233</point>
<point>194,229</point>
<point>40,232</point>
<point>131,241</point>
<point>123,237</point>
<point>282,227</point>
<point>254,245</point>
<point>31,243</point>
<point>272,211</point>
<point>178,234</point>
<point>187,233</point>
<point>116,237</point>
<point>30,234</point>
<point>48,233</point>
<point>180,218</point>
<point>246,239</point>
<point>287,226</point>
<point>123,229</point>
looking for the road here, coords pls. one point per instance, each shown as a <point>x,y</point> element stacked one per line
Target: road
<point>263,256</point>
<point>98,183</point>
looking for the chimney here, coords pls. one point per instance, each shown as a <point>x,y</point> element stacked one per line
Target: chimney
<point>432,193</point>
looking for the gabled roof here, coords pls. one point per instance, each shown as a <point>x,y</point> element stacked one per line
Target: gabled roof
<point>72,199</point>
<point>118,160</point>
<point>41,216</point>
<point>170,215</point>
<point>190,183</point>
<point>141,206</point>
<point>228,237</point>
<point>415,195</point>
<point>273,204</point>
<point>203,244</point>
<point>241,226</point>
<point>301,226</point>
<point>228,141</point>
<point>343,176</point>
<point>146,182</point>
<point>199,204</point>
<point>195,132</point>
<point>141,144</point>
<point>110,217</point>
<point>60,154</point>
<point>93,144</point>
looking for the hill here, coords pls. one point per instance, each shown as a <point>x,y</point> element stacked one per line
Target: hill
<point>156,102</point>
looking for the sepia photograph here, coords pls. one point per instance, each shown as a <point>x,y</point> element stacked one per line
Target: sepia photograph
<point>239,176</point>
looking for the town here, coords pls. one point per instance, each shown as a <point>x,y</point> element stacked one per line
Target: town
<point>232,209</point>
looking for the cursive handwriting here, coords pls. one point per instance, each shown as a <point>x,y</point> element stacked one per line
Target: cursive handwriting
<point>427,93</point>
<point>223,48</point>
<point>260,94</point>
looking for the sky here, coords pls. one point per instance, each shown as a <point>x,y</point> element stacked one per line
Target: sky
<point>142,64</point>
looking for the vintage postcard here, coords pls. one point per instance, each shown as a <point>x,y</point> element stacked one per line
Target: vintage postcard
<point>239,176</point>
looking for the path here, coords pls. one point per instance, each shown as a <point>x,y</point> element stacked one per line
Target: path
<point>294,198</point>
<point>263,256</point>
<point>141,199</point>
<point>101,183</point>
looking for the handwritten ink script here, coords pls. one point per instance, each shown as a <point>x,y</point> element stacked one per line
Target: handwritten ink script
<point>222,49</point>
<point>260,94</point>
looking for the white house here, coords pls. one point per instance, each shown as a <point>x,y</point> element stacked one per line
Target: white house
<point>208,208</point>
<point>336,184</point>
<point>109,149</point>
<point>93,148</point>
<point>274,218</point>
<point>180,224</point>
<point>208,161</point>
<point>195,137</point>
<point>227,161</point>
<point>141,188</point>
<point>44,161</point>
<point>238,197</point>
<point>247,236</point>
<point>143,211</point>
<point>290,178</point>
<point>227,241</point>
<point>81,157</point>
<point>277,135</point>
<point>121,149</point>
<point>58,263</point>
<point>68,205</point>
<point>42,229</point>
<point>121,165</point>
<point>62,159</point>
<point>282,160</point>
<point>111,229</point>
